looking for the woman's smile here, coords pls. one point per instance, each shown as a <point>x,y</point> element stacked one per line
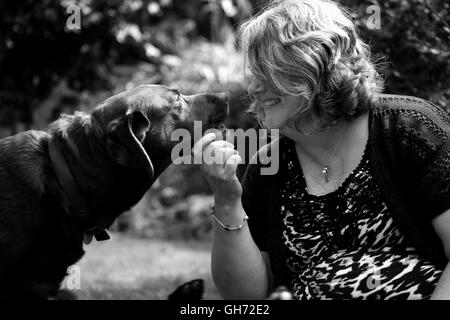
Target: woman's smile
<point>271,102</point>
<point>273,110</point>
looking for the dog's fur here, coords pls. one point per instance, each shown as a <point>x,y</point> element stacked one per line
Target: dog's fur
<point>39,239</point>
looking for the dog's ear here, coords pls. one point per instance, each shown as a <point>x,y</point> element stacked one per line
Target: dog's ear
<point>126,135</point>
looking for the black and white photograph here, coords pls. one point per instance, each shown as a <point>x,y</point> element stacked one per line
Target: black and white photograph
<point>225,150</point>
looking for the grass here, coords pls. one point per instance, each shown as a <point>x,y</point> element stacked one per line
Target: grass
<point>145,269</point>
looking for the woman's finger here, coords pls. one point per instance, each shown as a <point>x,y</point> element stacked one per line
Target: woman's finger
<point>222,154</point>
<point>216,145</point>
<point>199,146</point>
<point>210,150</point>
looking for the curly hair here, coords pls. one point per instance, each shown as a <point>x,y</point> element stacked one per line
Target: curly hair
<point>311,48</point>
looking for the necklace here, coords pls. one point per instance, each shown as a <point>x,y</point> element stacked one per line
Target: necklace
<point>325,164</point>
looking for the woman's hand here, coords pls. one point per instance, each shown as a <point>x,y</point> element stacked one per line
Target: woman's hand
<point>219,164</point>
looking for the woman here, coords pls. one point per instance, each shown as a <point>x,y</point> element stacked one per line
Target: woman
<point>360,206</point>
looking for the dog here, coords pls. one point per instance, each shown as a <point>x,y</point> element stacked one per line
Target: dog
<point>61,188</point>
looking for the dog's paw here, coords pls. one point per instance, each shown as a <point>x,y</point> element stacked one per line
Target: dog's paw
<point>190,291</point>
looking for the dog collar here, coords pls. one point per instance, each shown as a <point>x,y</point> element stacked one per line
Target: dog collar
<point>77,207</point>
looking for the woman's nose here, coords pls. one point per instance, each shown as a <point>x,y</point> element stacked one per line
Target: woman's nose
<point>256,86</point>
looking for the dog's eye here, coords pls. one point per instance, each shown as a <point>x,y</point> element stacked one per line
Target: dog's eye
<point>179,101</point>
<point>176,105</point>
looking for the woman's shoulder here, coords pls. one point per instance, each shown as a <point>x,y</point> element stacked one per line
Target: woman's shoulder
<point>407,115</point>
<point>405,107</point>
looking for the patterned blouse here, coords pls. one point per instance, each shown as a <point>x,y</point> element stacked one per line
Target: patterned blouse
<point>345,244</point>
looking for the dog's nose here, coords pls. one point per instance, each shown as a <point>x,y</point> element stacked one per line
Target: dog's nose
<point>220,101</point>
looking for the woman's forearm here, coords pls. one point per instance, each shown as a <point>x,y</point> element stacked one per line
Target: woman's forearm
<point>238,267</point>
<point>442,290</point>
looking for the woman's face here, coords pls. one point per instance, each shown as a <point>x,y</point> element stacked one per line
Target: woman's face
<point>273,109</point>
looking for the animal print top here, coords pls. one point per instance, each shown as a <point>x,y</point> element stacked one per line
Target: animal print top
<point>345,245</point>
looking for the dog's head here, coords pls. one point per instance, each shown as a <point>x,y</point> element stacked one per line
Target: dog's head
<point>138,123</point>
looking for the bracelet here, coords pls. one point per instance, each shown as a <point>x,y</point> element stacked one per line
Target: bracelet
<point>228,227</point>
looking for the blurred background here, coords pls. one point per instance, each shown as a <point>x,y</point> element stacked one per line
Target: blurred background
<point>52,63</point>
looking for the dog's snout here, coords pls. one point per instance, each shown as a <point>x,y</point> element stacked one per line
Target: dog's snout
<point>219,99</point>
<point>210,107</point>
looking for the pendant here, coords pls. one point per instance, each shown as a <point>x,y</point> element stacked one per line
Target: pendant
<point>325,173</point>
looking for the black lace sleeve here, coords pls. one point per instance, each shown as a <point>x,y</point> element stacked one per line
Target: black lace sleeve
<point>254,201</point>
<point>426,131</point>
<point>434,182</point>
